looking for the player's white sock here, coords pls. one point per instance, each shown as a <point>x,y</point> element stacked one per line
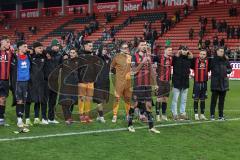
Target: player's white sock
<point>19,119</point>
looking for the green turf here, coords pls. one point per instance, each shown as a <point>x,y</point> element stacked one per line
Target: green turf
<point>209,141</point>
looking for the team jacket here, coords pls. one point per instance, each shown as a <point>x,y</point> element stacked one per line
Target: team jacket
<point>220,67</point>
<point>89,67</point>
<point>69,80</point>
<point>50,66</point>
<point>103,80</point>
<point>181,71</point>
<point>38,83</point>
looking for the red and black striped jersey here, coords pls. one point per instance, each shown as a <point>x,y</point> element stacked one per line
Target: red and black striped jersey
<point>5,62</point>
<point>201,70</point>
<point>143,76</point>
<point>164,66</point>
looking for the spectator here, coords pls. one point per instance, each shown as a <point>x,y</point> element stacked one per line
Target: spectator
<point>209,52</point>
<point>205,20</point>
<point>191,32</point>
<point>238,32</point>
<point>160,33</point>
<point>228,32</point>
<point>201,34</point>
<point>149,25</point>
<point>163,3</point>
<point>238,53</point>
<point>203,28</point>
<point>81,10</point>
<point>232,11</point>
<point>105,34</point>
<point>233,32</point>
<point>181,67</point>
<point>195,4</point>
<point>34,30</point>
<point>224,26</point>
<point>214,23</point>
<point>164,16</point>
<point>235,12</point>
<point>185,10</point>
<point>74,10</point>
<point>2,19</point>
<point>96,25</point>
<point>177,14</point>
<point>233,55</point>
<point>222,42</point>
<point>220,26</point>
<point>144,4</point>
<point>135,42</point>
<point>215,41</point>
<point>158,3</point>
<point>163,28</point>
<point>128,21</point>
<point>145,25</point>
<point>112,31</point>
<point>155,34</point>
<point>22,36</point>
<point>94,16</point>
<point>200,44</point>
<point>81,39</point>
<point>108,17</point>
<point>168,24</point>
<point>207,44</point>
<point>15,32</point>
<point>48,12</point>
<point>200,19</point>
<point>174,20</point>
<point>229,53</point>
<point>7,26</point>
<point>63,38</point>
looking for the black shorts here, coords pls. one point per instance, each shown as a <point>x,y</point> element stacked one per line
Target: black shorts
<point>21,92</point>
<point>101,95</point>
<point>199,91</point>
<point>4,88</point>
<point>67,100</point>
<point>142,93</point>
<point>163,89</point>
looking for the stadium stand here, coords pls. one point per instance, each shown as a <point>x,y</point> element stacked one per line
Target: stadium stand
<point>52,27</point>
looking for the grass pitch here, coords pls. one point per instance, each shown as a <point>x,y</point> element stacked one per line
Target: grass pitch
<point>186,140</point>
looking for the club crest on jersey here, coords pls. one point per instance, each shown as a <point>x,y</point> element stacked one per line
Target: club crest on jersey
<point>24,64</point>
<point>128,60</point>
<point>202,65</point>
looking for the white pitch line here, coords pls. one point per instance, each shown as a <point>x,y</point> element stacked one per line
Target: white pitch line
<point>107,130</point>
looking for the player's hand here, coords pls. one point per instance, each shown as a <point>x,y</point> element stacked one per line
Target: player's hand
<point>190,55</point>
<point>149,59</point>
<point>65,57</point>
<point>226,57</point>
<point>145,60</point>
<point>155,87</point>
<point>154,65</point>
<point>178,53</point>
<point>48,56</point>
